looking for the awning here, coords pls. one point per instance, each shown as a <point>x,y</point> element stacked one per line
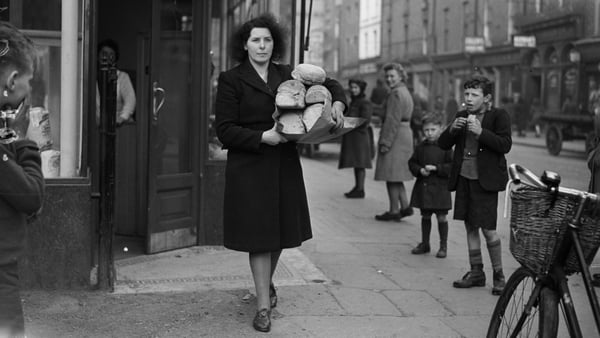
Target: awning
<point>589,48</point>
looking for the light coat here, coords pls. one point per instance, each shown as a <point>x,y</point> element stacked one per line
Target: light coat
<point>396,134</point>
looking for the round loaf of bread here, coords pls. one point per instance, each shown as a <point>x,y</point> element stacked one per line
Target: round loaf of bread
<point>290,95</point>
<point>290,122</point>
<point>317,94</point>
<point>309,74</point>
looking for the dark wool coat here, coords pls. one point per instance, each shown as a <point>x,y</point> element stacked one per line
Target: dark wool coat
<point>431,192</point>
<point>21,195</point>
<point>495,141</point>
<point>265,206</point>
<point>357,145</point>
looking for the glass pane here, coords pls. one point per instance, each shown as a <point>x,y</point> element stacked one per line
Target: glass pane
<point>215,151</point>
<point>44,109</point>
<point>41,21</point>
<point>175,55</point>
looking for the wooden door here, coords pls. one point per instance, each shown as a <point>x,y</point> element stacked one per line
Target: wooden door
<point>173,174</point>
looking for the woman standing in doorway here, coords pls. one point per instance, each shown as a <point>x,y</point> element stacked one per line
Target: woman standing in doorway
<point>395,144</point>
<point>265,207</point>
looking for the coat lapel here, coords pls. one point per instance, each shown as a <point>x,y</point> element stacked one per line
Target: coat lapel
<point>251,77</point>
<point>488,118</point>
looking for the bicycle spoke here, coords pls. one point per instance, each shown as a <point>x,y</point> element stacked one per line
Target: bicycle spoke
<point>520,314</point>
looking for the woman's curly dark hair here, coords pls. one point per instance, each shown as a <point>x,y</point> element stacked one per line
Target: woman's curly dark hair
<point>241,35</point>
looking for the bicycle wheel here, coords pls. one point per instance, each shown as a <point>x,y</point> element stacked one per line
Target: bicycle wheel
<point>517,314</point>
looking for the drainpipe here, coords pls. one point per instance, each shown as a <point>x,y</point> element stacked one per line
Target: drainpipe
<point>69,119</point>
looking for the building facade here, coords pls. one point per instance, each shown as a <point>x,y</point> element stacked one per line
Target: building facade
<point>545,50</point>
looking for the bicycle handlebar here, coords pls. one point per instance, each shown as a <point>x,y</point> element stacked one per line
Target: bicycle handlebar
<point>514,170</point>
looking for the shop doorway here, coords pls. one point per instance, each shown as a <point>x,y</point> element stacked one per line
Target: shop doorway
<point>157,178</point>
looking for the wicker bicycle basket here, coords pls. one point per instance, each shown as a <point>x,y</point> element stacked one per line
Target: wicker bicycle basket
<point>537,229</point>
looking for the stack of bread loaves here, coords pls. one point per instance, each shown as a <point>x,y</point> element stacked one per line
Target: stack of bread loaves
<point>303,101</point>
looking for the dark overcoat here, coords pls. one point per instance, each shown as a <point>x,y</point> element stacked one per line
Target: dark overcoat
<point>265,207</point>
<point>356,148</point>
<point>21,195</point>
<point>431,192</point>
<point>495,141</point>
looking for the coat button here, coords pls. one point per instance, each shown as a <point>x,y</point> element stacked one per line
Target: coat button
<point>4,157</point>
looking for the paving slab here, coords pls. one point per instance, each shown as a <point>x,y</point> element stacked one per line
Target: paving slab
<point>358,276</point>
<point>207,268</point>
<point>365,326</point>
<point>364,302</point>
<point>308,300</point>
<point>417,303</point>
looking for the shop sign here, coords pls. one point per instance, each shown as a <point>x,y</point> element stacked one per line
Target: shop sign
<point>527,41</point>
<point>366,68</point>
<point>474,44</point>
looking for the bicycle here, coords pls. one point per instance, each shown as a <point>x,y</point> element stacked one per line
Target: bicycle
<point>555,232</point>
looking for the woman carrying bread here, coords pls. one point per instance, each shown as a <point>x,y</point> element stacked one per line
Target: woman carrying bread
<point>395,144</point>
<point>355,151</point>
<point>265,207</point>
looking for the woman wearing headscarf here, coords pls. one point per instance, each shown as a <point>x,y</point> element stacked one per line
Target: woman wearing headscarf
<point>356,146</point>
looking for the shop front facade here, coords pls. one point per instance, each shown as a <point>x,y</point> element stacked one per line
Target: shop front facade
<point>169,176</point>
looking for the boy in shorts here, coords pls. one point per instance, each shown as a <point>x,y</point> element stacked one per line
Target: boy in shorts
<point>481,136</point>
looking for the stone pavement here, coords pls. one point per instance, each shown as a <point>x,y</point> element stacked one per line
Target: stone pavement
<point>355,278</point>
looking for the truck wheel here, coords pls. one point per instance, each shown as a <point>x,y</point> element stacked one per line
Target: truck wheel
<point>554,139</point>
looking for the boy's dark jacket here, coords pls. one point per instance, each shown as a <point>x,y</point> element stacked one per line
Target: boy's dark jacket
<point>495,141</point>
<point>431,192</point>
<point>21,195</point>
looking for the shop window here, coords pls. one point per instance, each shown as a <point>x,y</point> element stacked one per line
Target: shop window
<point>41,21</point>
<point>570,79</point>
<point>593,92</point>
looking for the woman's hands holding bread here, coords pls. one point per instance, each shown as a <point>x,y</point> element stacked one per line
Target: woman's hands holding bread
<point>272,137</point>
<point>337,114</point>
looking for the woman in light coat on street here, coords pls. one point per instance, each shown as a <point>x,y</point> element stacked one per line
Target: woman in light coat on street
<point>395,144</point>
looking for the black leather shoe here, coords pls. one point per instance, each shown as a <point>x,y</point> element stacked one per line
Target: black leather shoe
<point>499,283</point>
<point>470,279</point>
<point>388,216</point>
<point>355,194</point>
<point>262,320</point>
<point>441,253</point>
<point>272,295</point>
<point>406,212</point>
<point>422,248</point>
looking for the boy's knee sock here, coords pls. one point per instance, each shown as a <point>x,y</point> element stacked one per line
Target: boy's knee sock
<point>475,259</point>
<point>425,230</point>
<point>443,230</point>
<point>495,250</point>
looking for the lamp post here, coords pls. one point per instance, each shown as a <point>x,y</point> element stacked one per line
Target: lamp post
<point>107,84</point>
